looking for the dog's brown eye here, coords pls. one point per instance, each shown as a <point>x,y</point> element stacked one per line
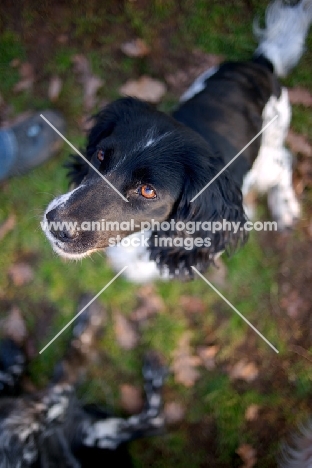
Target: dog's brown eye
<point>147,191</point>
<point>100,155</point>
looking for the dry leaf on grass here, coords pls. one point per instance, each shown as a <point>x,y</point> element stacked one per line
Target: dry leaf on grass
<point>21,273</point>
<point>126,335</point>
<point>62,39</point>
<point>91,83</point>
<point>55,87</point>
<point>150,304</point>
<point>305,169</point>
<point>135,48</point>
<point>300,95</point>
<point>304,173</point>
<point>184,365</point>
<point>91,87</point>
<point>81,65</point>
<point>252,412</point>
<point>14,326</point>
<point>131,398</point>
<point>244,370</point>
<point>15,63</point>
<point>294,304</point>
<point>299,144</point>
<point>27,78</point>
<point>248,455</point>
<point>145,88</point>
<point>208,356</point>
<point>192,304</point>
<point>7,226</point>
<point>174,412</point>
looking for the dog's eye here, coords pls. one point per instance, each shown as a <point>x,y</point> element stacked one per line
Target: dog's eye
<point>147,191</point>
<point>100,155</point>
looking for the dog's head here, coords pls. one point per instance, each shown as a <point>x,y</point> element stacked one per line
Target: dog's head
<point>153,167</point>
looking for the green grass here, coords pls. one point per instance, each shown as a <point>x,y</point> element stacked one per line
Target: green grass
<point>11,48</point>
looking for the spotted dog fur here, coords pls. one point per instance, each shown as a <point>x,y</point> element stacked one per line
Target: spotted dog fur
<point>52,428</point>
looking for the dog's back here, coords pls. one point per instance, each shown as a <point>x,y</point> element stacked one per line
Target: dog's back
<point>226,105</point>
<point>232,99</point>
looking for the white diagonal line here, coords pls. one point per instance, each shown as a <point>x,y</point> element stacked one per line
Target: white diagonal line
<point>84,308</point>
<point>84,158</point>
<point>232,160</point>
<point>235,310</point>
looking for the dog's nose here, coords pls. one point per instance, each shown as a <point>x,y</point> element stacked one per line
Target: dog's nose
<point>51,215</point>
<point>60,229</point>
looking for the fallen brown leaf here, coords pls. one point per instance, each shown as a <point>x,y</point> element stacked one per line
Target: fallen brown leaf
<point>14,326</point>
<point>7,226</point>
<point>207,355</point>
<point>135,48</point>
<point>244,370</point>
<point>252,412</point>
<point>192,304</point>
<point>55,87</point>
<point>131,398</point>
<point>126,335</point>
<point>294,304</point>
<point>145,88</point>
<point>81,65</point>
<point>299,144</point>
<point>62,39</point>
<point>91,86</point>
<point>91,83</point>
<point>248,455</point>
<point>27,78</point>
<point>300,95</point>
<point>174,412</point>
<point>304,171</point>
<point>15,63</point>
<point>150,304</point>
<point>21,274</point>
<point>184,365</point>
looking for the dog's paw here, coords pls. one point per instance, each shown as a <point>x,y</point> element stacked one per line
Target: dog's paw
<point>284,207</point>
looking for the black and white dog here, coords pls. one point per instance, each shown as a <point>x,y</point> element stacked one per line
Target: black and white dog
<point>160,163</point>
<point>52,428</point>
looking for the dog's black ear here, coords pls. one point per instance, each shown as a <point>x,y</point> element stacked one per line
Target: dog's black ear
<point>105,122</point>
<point>77,169</point>
<point>209,226</point>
